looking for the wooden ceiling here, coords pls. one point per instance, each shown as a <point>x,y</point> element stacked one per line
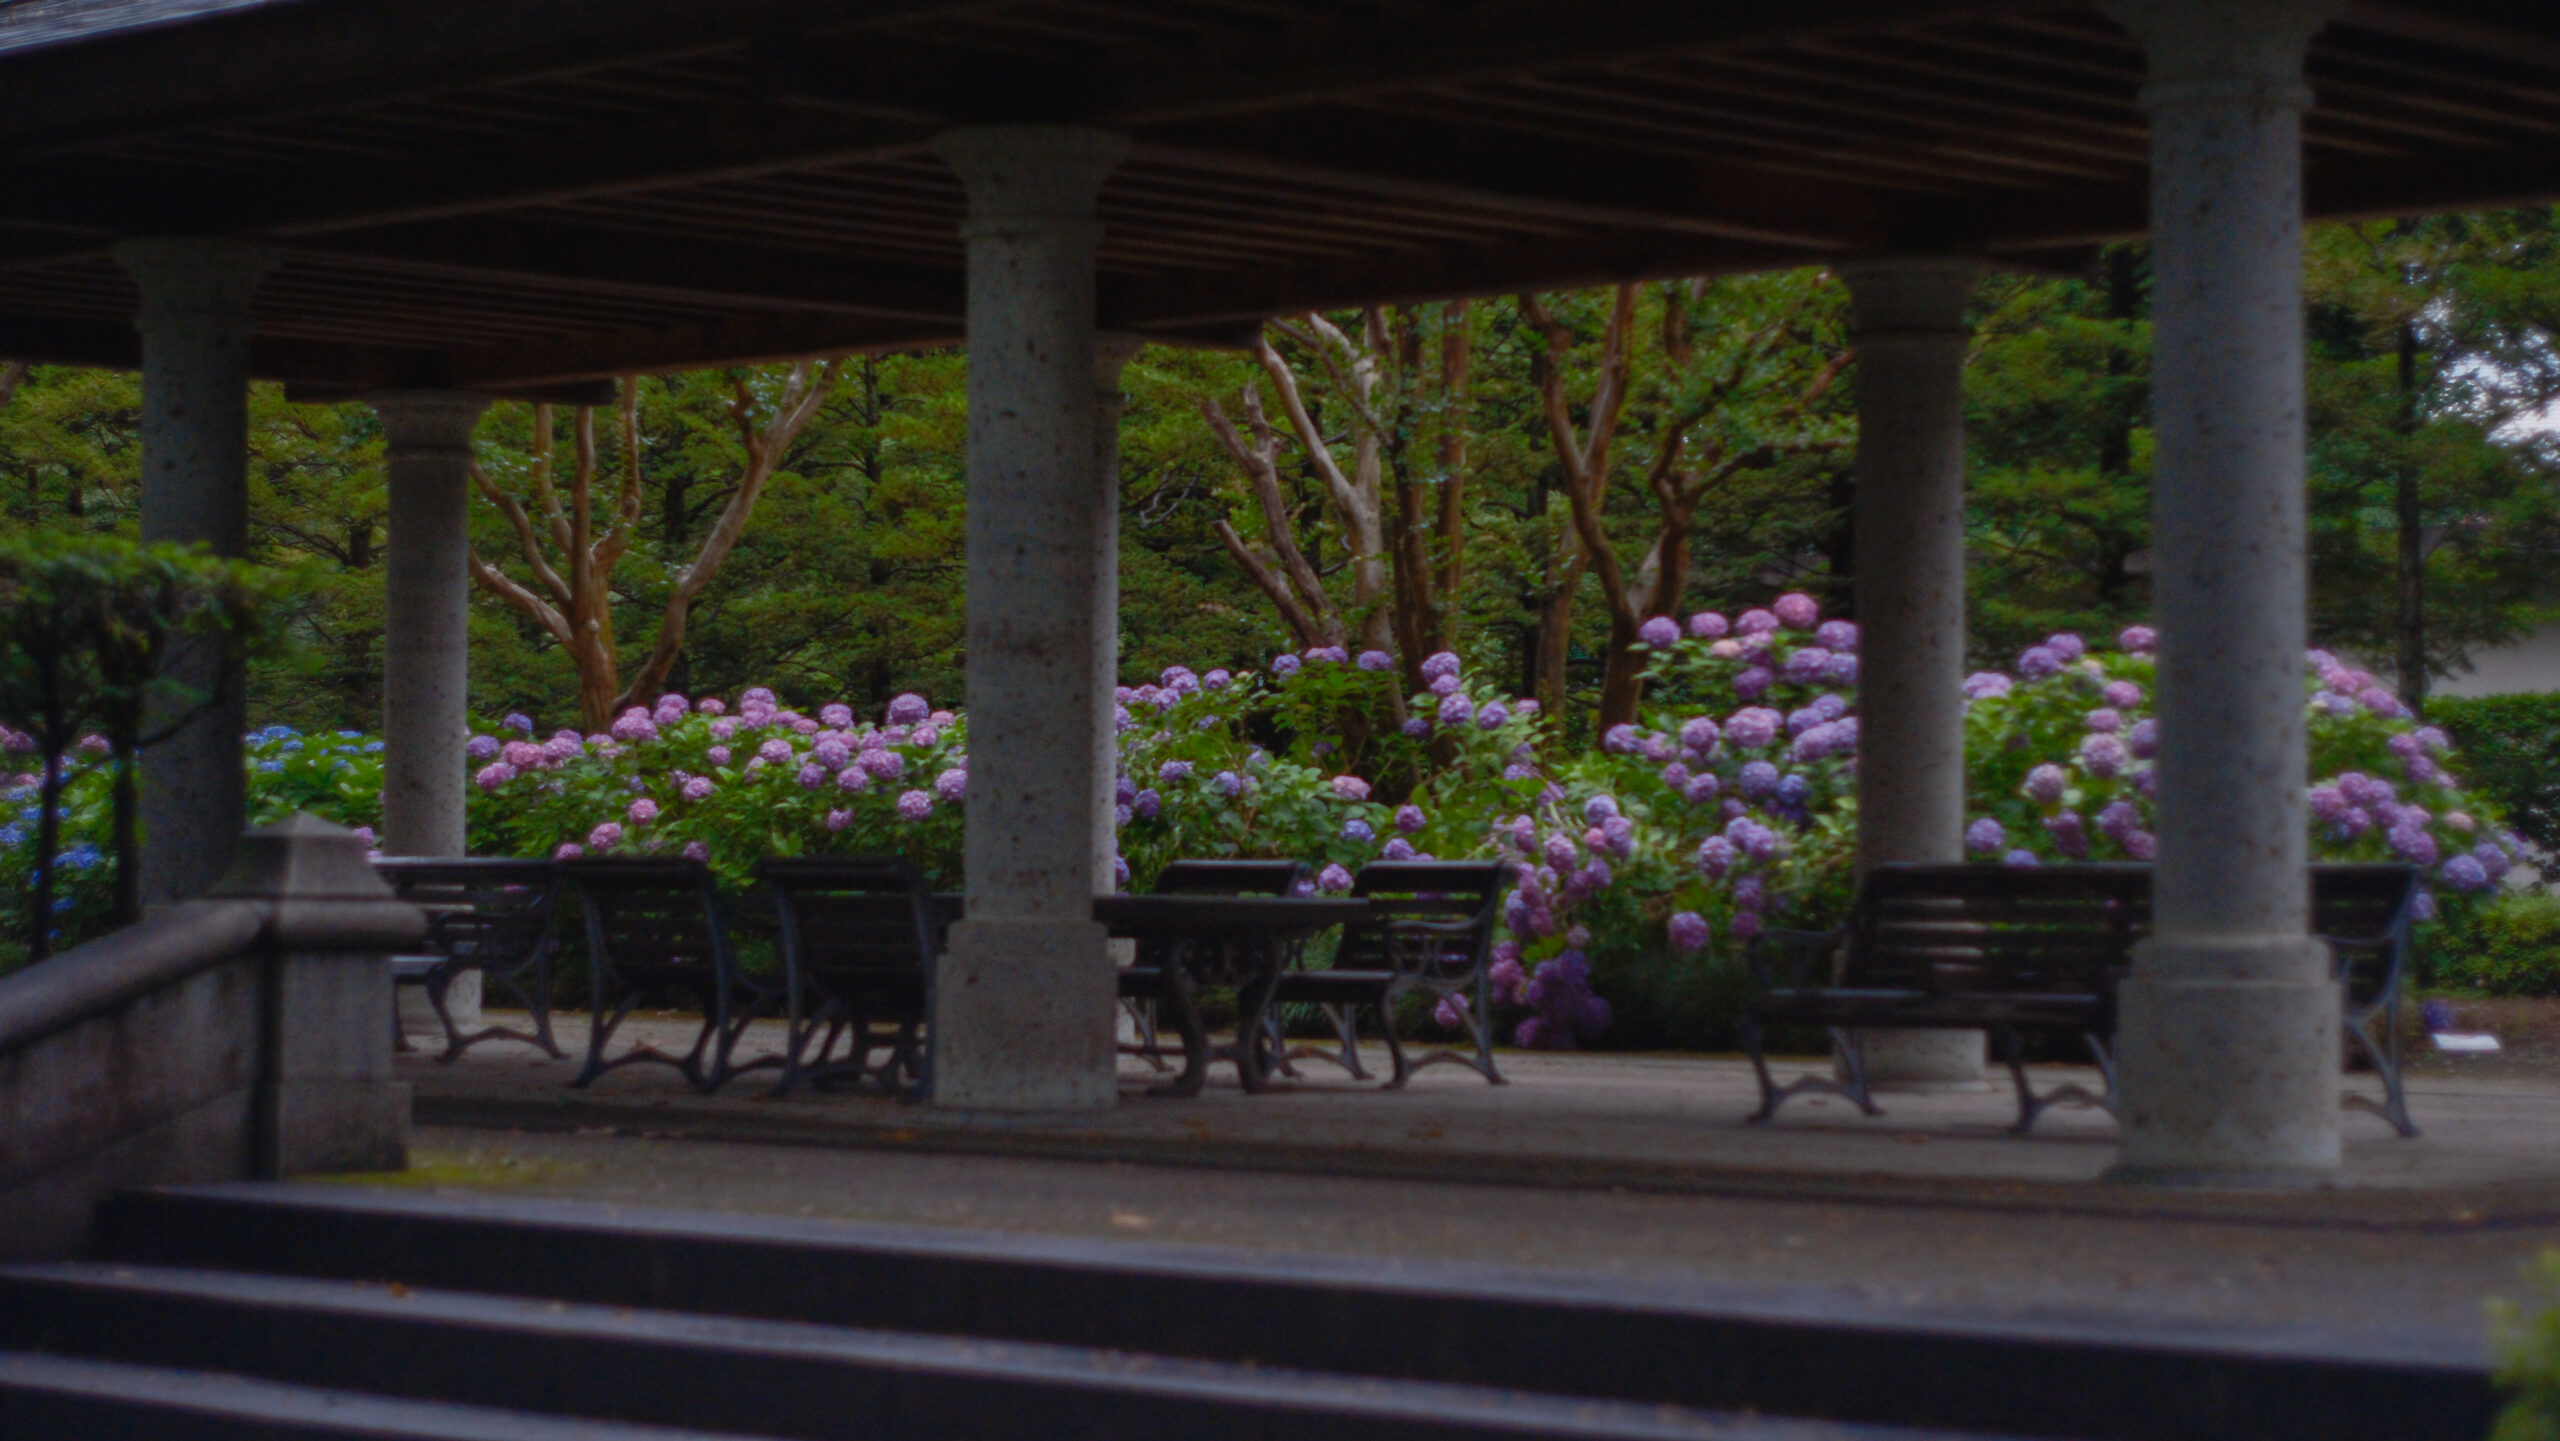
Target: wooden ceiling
<point>519,194</point>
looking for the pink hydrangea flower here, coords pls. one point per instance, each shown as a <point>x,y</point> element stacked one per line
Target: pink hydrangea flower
<point>1797,611</point>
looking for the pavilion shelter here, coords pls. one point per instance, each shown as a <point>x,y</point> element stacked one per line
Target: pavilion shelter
<point>431,203</point>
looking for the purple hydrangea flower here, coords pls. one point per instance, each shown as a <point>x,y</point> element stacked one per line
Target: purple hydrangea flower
<point>2144,739</point>
<point>812,776</point>
<point>1837,635</point>
<point>2021,860</point>
<point>635,725</point>
<point>1842,671</point>
<point>709,705</point>
<point>1439,664</point>
<point>2465,873</point>
<point>717,755</point>
<point>1357,831</point>
<point>852,780</point>
<point>1285,664</point>
<point>774,752</point>
<point>1688,932</point>
<point>914,805</point>
<point>838,715</point>
<point>1492,716</point>
<point>832,753</point>
<point>1808,665</point>
<point>1754,682</point>
<point>481,748</point>
<point>724,728</point>
<point>2066,645</point>
<point>524,755</point>
<point>2122,694</point>
<point>1333,878</point>
<point>1698,735</point>
<point>1752,727</point>
<point>1792,792</point>
<point>1456,710</point>
<point>2139,639</point>
<point>494,775</point>
<point>642,811</point>
<point>1716,856</point>
<point>838,820</point>
<point>1752,838</point>
<point>1757,780</point>
<point>1707,625</point>
<point>952,785</point>
<point>1399,849</point>
<point>1376,660</point>
<point>2046,783</point>
<point>605,837</point>
<point>699,788</point>
<point>1797,611</point>
<point>1350,788</point>
<point>518,722</point>
<point>2118,820</point>
<point>2104,756</point>
<point>2038,661</point>
<point>1409,819</point>
<point>1984,684</point>
<point>568,851</point>
<point>1148,805</point>
<point>1985,836</point>
<point>1621,740</point>
<point>2105,719</point>
<point>1598,809</point>
<point>2412,844</point>
<point>884,764</point>
<point>1701,789</point>
<point>1755,622</point>
<point>1661,632</point>
<point>1417,726</point>
<point>1227,783</point>
<point>1744,925</point>
<point>909,709</point>
<point>1172,771</point>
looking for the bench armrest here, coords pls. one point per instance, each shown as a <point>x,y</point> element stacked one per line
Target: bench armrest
<point>1416,948</point>
<point>1793,959</point>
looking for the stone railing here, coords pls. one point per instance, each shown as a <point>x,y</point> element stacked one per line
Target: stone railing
<point>243,1035</point>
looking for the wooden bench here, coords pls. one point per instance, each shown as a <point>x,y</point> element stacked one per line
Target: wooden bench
<point>859,935</point>
<point>2012,951</point>
<point>1429,931</point>
<point>490,915</point>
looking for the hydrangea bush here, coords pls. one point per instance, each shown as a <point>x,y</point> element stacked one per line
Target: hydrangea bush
<point>1729,808</point>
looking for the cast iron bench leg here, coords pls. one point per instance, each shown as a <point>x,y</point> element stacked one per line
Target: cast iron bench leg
<point>1853,1058</point>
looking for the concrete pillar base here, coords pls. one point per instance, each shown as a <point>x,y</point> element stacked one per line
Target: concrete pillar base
<point>1022,1017</point>
<point>2229,1062</point>
<point>1920,1062</point>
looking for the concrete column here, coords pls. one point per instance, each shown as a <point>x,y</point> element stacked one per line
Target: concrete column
<point>426,645</point>
<point>426,656</point>
<point>1112,352</point>
<point>1911,336</point>
<point>2228,1032</point>
<point>1024,995</point>
<point>195,329</point>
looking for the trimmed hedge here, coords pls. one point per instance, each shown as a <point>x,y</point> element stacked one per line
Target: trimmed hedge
<point>2509,750</point>
<point>2509,946</point>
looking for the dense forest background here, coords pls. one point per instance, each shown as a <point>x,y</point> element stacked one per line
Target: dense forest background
<point>1522,478</point>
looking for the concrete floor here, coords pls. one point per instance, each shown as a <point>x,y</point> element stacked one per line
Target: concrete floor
<point>1634,1170</point>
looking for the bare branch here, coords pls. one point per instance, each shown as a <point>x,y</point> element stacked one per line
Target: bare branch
<point>528,540</point>
<point>1259,571</point>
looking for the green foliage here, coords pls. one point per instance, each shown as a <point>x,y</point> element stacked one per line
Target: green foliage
<point>2511,752</point>
<point>2528,1349</point>
<point>2506,946</point>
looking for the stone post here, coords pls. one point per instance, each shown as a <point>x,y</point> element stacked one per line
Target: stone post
<point>426,642</point>
<point>1911,337</point>
<point>1024,994</point>
<point>1112,352</point>
<point>2228,1041</point>
<point>195,329</point>
<point>325,1100</point>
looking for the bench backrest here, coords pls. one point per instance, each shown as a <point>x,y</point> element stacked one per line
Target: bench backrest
<point>1229,878</point>
<point>2070,930</point>
<point>653,920</point>
<point>479,909</point>
<point>866,921</point>
<point>1442,910</point>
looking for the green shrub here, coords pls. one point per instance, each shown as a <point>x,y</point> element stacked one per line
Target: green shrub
<point>2528,1347</point>
<point>2510,746</point>
<point>2507,946</point>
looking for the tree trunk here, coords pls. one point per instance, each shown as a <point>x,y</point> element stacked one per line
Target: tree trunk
<point>2412,518</point>
<point>1621,675</point>
<point>48,850</point>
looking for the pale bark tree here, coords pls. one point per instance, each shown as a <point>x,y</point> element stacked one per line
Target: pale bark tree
<point>1401,518</point>
<point>1682,462</point>
<point>571,549</point>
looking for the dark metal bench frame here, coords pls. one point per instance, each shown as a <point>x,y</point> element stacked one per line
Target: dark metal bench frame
<point>682,902</point>
<point>1430,929</point>
<point>492,915</point>
<point>1143,985</point>
<point>2090,917</point>
<point>860,935</point>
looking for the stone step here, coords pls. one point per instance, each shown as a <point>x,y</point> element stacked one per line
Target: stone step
<point>1617,1338</point>
<point>74,1397</point>
<point>775,1378</point>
